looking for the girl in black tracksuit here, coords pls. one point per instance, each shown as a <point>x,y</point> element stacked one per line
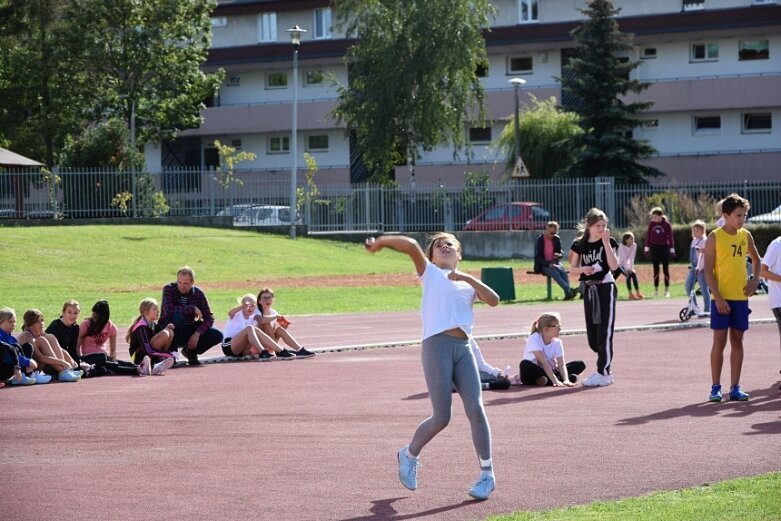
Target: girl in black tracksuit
<point>594,259</point>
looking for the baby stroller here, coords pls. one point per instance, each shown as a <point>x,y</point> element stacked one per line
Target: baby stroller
<point>691,309</point>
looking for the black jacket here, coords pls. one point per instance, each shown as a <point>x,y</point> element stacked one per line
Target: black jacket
<point>539,252</point>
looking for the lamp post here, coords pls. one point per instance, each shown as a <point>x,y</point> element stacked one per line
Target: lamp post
<point>519,169</point>
<point>295,33</point>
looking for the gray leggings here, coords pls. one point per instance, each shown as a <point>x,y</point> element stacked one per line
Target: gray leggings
<point>449,361</point>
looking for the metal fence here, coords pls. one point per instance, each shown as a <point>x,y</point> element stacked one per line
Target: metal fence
<point>257,198</point>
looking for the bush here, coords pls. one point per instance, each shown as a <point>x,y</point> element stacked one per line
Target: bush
<point>680,208</point>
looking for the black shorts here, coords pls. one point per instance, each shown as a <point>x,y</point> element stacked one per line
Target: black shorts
<point>226,347</point>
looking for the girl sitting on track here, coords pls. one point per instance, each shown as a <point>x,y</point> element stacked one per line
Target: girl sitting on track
<point>447,358</point>
<point>276,325</point>
<point>243,335</point>
<point>66,330</point>
<point>146,338</point>
<point>48,353</point>
<point>16,362</point>
<point>93,335</point>
<point>543,358</point>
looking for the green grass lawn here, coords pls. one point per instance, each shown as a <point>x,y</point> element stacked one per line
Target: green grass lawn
<point>744,499</point>
<point>44,266</point>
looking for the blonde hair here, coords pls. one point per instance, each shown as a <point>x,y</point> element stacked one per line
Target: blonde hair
<point>434,239</point>
<point>592,217</point>
<point>546,319</point>
<point>186,270</point>
<point>143,307</point>
<point>699,224</point>
<point>30,317</point>
<point>249,296</point>
<point>7,314</point>
<point>70,303</point>
<point>553,224</point>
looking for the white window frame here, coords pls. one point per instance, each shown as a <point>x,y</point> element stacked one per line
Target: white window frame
<point>744,119</point>
<point>308,83</point>
<point>707,58</point>
<point>649,125</point>
<point>706,131</point>
<point>532,8</point>
<point>219,21</point>
<point>763,2</point>
<point>282,148</point>
<point>511,71</point>
<point>322,23</point>
<point>274,73</point>
<point>309,147</point>
<point>267,27</point>
<point>693,5</point>
<point>649,56</point>
<point>233,80</point>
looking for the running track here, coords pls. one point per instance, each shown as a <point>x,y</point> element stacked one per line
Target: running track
<point>316,439</point>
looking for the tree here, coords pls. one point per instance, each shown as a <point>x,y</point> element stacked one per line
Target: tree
<point>412,76</point>
<point>145,57</point>
<point>597,77</point>
<point>545,134</point>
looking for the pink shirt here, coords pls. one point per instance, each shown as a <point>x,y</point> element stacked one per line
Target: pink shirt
<point>547,248</point>
<point>97,343</point>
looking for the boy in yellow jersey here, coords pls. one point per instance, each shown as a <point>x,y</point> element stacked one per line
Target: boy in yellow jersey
<point>725,271</point>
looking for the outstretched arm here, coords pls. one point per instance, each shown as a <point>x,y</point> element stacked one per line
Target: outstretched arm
<point>401,244</point>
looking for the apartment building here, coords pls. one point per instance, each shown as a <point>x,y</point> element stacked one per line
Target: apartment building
<point>714,67</point>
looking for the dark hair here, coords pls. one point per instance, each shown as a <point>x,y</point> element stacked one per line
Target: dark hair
<point>260,294</point>
<point>626,237</point>
<point>102,313</point>
<point>733,202</point>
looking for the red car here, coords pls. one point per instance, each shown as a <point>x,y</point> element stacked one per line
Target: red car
<point>510,216</point>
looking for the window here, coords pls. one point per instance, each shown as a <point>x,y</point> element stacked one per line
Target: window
<point>753,50</point>
<point>233,80</point>
<point>480,135</point>
<point>527,11</point>
<point>482,70</point>
<point>757,123</point>
<point>323,23</point>
<point>651,124</point>
<point>760,2</point>
<point>317,143</point>
<point>314,77</point>
<point>693,5</point>
<point>520,64</point>
<point>236,143</point>
<point>267,27</point>
<point>276,80</point>
<point>648,53</point>
<point>707,124</point>
<point>220,21</point>
<point>278,144</point>
<point>704,52</point>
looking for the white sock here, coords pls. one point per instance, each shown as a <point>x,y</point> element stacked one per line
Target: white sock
<point>409,454</point>
<point>486,468</point>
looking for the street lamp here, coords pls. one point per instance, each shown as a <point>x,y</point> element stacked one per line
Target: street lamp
<point>519,169</point>
<point>295,33</point>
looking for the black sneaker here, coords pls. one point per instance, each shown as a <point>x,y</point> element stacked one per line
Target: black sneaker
<point>286,355</point>
<point>265,356</point>
<point>192,358</point>
<point>304,353</point>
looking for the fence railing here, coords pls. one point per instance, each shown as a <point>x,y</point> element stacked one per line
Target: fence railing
<point>260,198</point>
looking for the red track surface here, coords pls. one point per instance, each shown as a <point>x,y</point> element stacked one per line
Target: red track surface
<point>316,439</point>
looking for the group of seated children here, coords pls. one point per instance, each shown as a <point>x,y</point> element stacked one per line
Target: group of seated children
<point>71,351</point>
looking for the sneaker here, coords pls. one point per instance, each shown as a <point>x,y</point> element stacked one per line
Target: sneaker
<point>408,469</point>
<point>704,314</point>
<point>68,376</point>
<point>598,380</point>
<point>192,358</point>
<point>145,369</point>
<point>23,380</point>
<point>571,294</point>
<point>640,296</point>
<point>737,394</point>
<point>41,378</point>
<point>265,356</point>
<point>632,296</point>
<point>666,294</point>
<point>656,293</point>
<point>162,367</point>
<point>304,353</point>
<point>286,355</point>
<point>715,393</point>
<point>483,487</point>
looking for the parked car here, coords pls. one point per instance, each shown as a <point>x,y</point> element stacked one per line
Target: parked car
<point>510,216</point>
<point>265,215</point>
<point>770,217</point>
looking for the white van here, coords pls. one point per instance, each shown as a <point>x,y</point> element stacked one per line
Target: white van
<point>264,215</point>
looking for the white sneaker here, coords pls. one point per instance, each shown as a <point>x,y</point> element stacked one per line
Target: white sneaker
<point>40,377</point>
<point>598,380</point>
<point>145,368</point>
<point>666,294</point>
<point>161,367</point>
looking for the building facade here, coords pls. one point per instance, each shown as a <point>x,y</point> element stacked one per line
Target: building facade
<point>714,67</point>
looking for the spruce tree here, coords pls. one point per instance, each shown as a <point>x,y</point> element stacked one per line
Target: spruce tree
<point>596,78</point>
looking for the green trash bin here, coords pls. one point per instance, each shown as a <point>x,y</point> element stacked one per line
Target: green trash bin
<point>500,280</point>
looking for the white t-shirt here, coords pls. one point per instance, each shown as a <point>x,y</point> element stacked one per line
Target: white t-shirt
<point>772,260</point>
<point>234,325</point>
<point>482,365</point>
<point>550,351</point>
<point>626,256</point>
<point>446,304</point>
